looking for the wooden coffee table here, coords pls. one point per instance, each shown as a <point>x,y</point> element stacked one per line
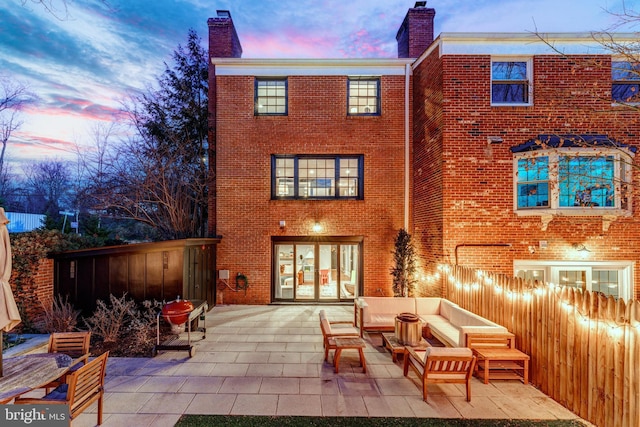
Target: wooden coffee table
<point>390,342</point>
<point>502,363</point>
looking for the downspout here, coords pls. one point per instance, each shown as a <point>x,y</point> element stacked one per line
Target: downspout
<point>407,146</point>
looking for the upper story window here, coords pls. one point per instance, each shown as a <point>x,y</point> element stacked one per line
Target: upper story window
<point>363,96</point>
<point>270,96</point>
<point>575,178</point>
<point>317,177</point>
<point>511,82</point>
<point>625,82</point>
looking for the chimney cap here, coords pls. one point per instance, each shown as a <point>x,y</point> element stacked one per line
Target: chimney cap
<point>223,13</point>
<point>421,4</point>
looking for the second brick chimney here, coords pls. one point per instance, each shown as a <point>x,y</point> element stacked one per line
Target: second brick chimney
<point>416,32</point>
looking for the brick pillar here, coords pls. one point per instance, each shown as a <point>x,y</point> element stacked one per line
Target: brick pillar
<point>223,43</point>
<point>416,32</point>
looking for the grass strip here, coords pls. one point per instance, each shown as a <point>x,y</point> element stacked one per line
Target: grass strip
<point>300,421</point>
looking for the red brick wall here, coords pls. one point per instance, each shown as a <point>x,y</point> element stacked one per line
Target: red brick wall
<point>38,295</point>
<point>317,123</point>
<point>569,98</point>
<point>427,169</point>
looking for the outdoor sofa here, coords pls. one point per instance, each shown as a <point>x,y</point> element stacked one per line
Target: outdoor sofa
<point>451,324</point>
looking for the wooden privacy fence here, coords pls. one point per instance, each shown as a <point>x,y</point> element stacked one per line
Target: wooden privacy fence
<point>584,347</point>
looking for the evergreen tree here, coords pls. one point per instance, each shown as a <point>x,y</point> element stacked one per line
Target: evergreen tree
<point>405,265</point>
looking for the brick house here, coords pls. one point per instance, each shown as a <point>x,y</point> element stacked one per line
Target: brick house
<point>493,150</point>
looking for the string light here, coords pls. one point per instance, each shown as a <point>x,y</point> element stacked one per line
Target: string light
<point>615,330</point>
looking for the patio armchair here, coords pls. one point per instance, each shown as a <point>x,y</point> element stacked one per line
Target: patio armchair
<point>441,365</point>
<point>343,329</point>
<point>83,387</point>
<point>74,344</point>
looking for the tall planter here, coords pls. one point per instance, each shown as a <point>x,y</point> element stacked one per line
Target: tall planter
<point>404,268</point>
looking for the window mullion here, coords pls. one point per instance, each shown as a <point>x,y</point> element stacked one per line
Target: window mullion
<point>554,181</point>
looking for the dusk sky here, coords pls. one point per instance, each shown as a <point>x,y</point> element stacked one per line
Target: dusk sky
<point>84,62</point>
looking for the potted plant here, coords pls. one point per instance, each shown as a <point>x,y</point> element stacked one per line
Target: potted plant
<point>405,265</point>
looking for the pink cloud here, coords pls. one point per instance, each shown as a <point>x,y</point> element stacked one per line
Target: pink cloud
<point>87,109</point>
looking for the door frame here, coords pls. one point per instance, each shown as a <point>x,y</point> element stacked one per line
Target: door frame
<point>316,241</point>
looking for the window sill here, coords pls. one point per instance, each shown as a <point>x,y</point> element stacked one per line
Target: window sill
<point>513,105</point>
<point>608,215</point>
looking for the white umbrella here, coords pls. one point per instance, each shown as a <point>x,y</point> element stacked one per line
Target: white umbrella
<point>9,314</point>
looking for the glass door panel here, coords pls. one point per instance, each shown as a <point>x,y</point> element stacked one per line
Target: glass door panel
<point>305,272</point>
<point>328,271</point>
<point>284,272</point>
<point>348,271</point>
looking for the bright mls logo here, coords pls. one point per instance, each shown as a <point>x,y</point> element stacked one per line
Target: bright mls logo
<point>34,415</point>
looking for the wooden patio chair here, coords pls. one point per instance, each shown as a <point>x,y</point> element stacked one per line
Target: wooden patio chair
<point>441,365</point>
<point>343,329</point>
<point>83,387</point>
<point>74,344</point>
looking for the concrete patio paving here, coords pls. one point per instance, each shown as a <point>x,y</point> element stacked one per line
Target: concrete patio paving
<point>268,360</point>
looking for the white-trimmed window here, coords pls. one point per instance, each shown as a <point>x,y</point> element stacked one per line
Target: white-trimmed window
<point>574,181</point>
<point>511,81</point>
<point>613,278</point>
<point>625,82</point>
<point>363,96</point>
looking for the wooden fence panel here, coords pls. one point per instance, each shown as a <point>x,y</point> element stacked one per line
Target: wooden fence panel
<point>583,346</point>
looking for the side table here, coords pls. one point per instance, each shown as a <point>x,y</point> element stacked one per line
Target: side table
<point>390,342</point>
<point>502,363</point>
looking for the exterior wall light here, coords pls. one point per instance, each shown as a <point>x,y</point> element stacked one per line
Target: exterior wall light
<point>317,228</point>
<point>581,249</point>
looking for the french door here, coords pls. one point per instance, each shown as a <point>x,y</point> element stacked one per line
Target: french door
<point>313,272</point>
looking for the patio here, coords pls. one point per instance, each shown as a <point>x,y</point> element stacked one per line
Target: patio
<point>268,360</point>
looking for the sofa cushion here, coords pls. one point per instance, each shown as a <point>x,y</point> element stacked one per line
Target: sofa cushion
<point>446,308</point>
<point>426,306</point>
<point>445,332</point>
<point>386,307</point>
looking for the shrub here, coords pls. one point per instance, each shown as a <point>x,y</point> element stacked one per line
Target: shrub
<point>61,317</point>
<point>123,327</point>
<point>107,322</point>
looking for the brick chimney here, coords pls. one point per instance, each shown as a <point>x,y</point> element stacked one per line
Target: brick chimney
<point>223,39</point>
<point>416,32</point>
<point>223,43</point>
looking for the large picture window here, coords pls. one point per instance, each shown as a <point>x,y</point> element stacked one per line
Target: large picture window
<point>510,82</point>
<point>572,180</point>
<point>317,177</point>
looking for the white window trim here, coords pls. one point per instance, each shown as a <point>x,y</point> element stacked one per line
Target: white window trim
<point>529,61</point>
<point>554,209</point>
<point>551,268</point>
